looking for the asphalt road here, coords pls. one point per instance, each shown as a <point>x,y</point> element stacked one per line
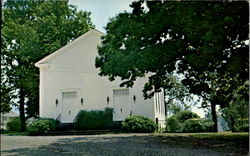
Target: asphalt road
<point>95,145</point>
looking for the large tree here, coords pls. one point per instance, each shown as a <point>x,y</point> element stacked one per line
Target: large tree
<point>30,31</point>
<point>204,41</point>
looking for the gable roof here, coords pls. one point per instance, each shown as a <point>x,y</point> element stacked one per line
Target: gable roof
<point>61,50</point>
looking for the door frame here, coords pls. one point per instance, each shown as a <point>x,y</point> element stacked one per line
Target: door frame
<point>77,90</point>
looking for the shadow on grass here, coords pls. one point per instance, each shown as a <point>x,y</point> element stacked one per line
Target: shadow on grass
<point>115,146</point>
<point>237,143</point>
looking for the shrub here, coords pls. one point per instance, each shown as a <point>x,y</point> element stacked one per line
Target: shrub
<point>185,115</point>
<point>208,125</point>
<point>187,121</point>
<point>14,124</point>
<point>138,124</point>
<point>94,119</point>
<point>193,125</point>
<point>42,126</point>
<point>173,125</point>
<point>53,124</point>
<point>243,128</point>
<point>242,125</point>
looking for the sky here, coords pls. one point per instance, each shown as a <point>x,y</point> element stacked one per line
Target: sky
<point>103,10</point>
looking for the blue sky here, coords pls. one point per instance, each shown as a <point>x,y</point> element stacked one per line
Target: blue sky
<point>102,10</point>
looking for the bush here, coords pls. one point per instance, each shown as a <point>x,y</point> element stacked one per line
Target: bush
<point>208,125</point>
<point>243,128</point>
<point>185,115</point>
<point>138,124</point>
<point>242,125</point>
<point>42,126</point>
<point>193,125</point>
<point>173,125</point>
<point>94,119</point>
<point>176,122</point>
<point>14,124</point>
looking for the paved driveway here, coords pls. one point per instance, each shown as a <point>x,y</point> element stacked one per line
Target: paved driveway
<point>94,145</point>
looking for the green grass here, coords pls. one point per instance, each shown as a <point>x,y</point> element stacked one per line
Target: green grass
<point>13,133</point>
<point>209,134</point>
<point>229,142</point>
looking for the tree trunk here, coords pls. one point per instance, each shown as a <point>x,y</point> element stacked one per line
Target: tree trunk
<point>166,106</point>
<point>166,111</point>
<point>214,117</point>
<point>21,110</point>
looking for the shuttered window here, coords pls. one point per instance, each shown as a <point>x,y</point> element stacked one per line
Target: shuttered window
<point>69,94</point>
<point>120,91</point>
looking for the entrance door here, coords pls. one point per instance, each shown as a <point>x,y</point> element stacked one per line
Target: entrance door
<point>69,106</point>
<point>122,106</point>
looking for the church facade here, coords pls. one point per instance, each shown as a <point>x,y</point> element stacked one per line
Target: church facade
<point>69,82</point>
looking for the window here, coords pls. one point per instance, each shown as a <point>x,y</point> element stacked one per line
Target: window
<point>69,94</point>
<point>120,91</point>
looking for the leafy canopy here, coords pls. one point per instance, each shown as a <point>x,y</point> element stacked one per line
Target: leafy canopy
<point>196,39</point>
<point>30,31</point>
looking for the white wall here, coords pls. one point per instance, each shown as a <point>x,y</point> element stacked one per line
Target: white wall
<point>73,69</point>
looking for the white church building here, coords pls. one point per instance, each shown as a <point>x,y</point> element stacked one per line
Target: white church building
<point>69,82</point>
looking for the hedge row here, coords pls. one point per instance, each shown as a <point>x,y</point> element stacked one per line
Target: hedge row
<point>94,119</point>
<point>187,121</point>
<point>87,120</point>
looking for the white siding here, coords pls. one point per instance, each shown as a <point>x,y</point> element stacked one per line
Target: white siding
<point>73,69</point>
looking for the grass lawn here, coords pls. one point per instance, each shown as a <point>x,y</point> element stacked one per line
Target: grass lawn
<point>13,133</point>
<point>222,141</point>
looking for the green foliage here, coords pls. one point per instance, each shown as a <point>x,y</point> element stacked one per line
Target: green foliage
<point>138,124</point>
<point>173,124</point>
<point>177,95</point>
<point>14,124</point>
<point>208,38</point>
<point>202,41</point>
<point>5,97</point>
<point>30,31</point>
<point>193,125</point>
<point>187,121</point>
<point>242,125</point>
<point>94,119</point>
<point>53,124</point>
<point>238,108</point>
<point>197,125</point>
<point>208,125</point>
<point>185,115</point>
<point>42,126</point>
<point>38,127</point>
